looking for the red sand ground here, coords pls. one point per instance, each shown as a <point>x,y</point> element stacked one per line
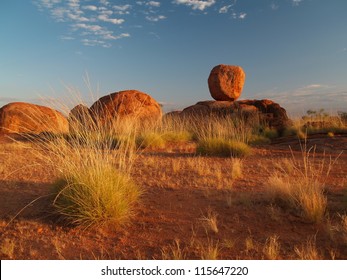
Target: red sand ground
<point>176,200</point>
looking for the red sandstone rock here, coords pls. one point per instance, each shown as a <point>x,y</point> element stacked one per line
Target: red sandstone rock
<point>268,111</point>
<point>128,103</point>
<point>226,82</point>
<point>81,118</point>
<point>20,117</point>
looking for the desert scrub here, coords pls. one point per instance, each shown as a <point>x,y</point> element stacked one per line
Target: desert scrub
<point>177,136</point>
<point>150,140</point>
<point>93,168</point>
<point>236,168</point>
<point>96,195</point>
<point>222,148</point>
<point>308,251</point>
<point>300,184</point>
<point>272,248</point>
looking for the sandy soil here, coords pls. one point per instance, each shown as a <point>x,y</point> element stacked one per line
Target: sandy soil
<point>181,190</point>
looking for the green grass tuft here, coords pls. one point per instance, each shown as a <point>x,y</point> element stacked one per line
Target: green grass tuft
<point>96,195</point>
<point>222,148</point>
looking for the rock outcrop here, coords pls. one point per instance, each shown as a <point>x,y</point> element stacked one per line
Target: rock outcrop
<point>21,117</point>
<point>127,103</point>
<point>81,117</point>
<point>226,82</point>
<point>267,111</point>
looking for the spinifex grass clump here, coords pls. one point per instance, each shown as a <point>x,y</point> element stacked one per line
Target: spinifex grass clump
<point>93,166</point>
<point>237,127</point>
<point>300,184</point>
<point>150,140</point>
<point>222,148</point>
<point>96,195</point>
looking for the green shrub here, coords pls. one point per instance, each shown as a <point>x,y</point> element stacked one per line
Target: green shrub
<point>222,147</point>
<point>150,140</point>
<point>270,133</point>
<point>96,195</point>
<point>179,136</point>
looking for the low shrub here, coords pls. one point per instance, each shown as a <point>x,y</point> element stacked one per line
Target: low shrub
<point>96,195</point>
<point>300,184</point>
<point>179,136</point>
<point>222,148</point>
<point>150,140</point>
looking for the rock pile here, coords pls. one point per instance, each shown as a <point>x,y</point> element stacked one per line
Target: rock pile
<point>225,84</point>
<point>20,117</point>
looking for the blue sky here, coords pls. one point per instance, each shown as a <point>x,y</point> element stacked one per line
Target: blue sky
<point>293,51</point>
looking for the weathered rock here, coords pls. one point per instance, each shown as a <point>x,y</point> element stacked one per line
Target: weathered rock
<point>172,114</point>
<point>128,103</point>
<point>226,82</point>
<point>81,118</point>
<point>20,117</point>
<point>268,111</point>
<point>206,108</point>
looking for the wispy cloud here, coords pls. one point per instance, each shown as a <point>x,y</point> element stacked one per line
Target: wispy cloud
<point>90,22</point>
<point>311,96</point>
<point>155,18</point>
<point>154,3</point>
<point>242,15</point>
<point>296,2</point>
<point>230,9</point>
<point>274,6</point>
<point>196,4</point>
<point>99,20</point>
<point>225,9</point>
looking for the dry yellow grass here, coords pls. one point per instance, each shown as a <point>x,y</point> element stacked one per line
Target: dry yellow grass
<point>301,183</point>
<point>272,248</point>
<point>308,250</point>
<point>210,251</point>
<point>210,221</point>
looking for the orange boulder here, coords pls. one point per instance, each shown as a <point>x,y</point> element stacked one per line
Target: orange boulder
<point>226,82</point>
<point>21,117</point>
<point>127,103</point>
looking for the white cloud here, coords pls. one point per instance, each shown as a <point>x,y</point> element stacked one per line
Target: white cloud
<point>90,8</point>
<point>196,4</point>
<point>274,6</point>
<point>77,17</point>
<point>48,3</point>
<point>153,4</point>
<point>123,35</point>
<point>122,8</point>
<point>242,15</point>
<point>296,2</point>
<point>313,86</point>
<point>155,18</point>
<point>312,96</point>
<point>98,21</point>
<point>105,18</point>
<point>224,9</point>
<point>238,15</point>
<point>89,27</point>
<point>88,21</point>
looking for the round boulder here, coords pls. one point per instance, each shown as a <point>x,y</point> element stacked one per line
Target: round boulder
<point>81,118</point>
<point>128,103</point>
<point>21,117</point>
<point>226,82</point>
